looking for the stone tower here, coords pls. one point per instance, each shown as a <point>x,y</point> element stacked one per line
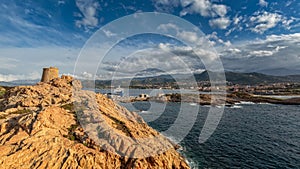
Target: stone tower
<point>49,74</point>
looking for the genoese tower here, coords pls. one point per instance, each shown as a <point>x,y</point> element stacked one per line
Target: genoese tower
<point>49,74</point>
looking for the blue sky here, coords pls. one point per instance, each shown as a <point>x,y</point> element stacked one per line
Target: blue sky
<point>250,35</point>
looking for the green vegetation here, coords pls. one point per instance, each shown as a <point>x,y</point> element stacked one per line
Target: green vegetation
<point>121,126</point>
<point>125,129</point>
<point>69,107</point>
<point>73,127</point>
<point>71,132</point>
<point>85,144</point>
<point>21,111</point>
<point>2,91</point>
<point>71,137</point>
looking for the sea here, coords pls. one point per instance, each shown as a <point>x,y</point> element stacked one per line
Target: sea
<point>248,135</point>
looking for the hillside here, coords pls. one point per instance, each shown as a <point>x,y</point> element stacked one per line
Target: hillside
<point>232,77</point>
<point>250,78</point>
<point>46,126</point>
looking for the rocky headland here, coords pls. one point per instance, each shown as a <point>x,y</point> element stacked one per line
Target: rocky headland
<point>41,126</point>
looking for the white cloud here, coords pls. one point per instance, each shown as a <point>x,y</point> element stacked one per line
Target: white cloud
<point>60,2</point>
<point>167,2</point>
<point>275,52</point>
<point>221,23</point>
<point>19,63</point>
<point>167,27</point>
<point>89,9</point>
<point>203,7</point>
<point>237,24</point>
<point>87,75</point>
<point>227,43</point>
<point>214,39</point>
<point>108,33</point>
<point>161,60</point>
<point>288,3</point>
<point>287,22</point>
<point>263,3</point>
<point>261,53</point>
<point>13,77</point>
<point>234,50</point>
<point>165,57</point>
<point>292,38</point>
<point>193,37</point>
<point>265,21</point>
<point>220,10</point>
<point>236,20</point>
<point>189,36</point>
<point>165,5</point>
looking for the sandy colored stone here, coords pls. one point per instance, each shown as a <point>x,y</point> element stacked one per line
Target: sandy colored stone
<point>44,127</point>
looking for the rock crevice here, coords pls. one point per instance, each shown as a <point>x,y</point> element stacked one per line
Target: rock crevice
<point>46,126</point>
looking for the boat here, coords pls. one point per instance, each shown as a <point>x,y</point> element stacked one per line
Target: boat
<point>119,91</point>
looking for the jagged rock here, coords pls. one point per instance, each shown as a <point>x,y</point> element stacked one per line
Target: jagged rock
<point>57,125</point>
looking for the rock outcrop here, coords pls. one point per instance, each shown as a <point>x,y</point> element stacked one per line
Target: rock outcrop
<point>47,126</point>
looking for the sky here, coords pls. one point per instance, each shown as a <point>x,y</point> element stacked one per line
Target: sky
<point>249,36</point>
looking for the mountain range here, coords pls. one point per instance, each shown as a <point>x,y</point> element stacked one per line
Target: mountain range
<point>253,78</point>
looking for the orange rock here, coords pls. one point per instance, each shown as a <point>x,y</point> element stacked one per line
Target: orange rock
<point>41,130</point>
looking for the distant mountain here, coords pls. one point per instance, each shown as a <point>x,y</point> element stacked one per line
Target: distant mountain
<point>137,81</point>
<point>19,83</point>
<point>233,77</point>
<point>250,78</point>
<point>280,71</point>
<point>253,78</point>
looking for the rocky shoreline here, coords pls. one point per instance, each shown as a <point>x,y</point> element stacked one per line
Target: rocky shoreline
<point>45,126</point>
<point>208,99</point>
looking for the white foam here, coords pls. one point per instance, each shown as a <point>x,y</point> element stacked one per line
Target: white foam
<point>193,104</point>
<point>243,102</point>
<point>220,106</point>
<point>236,107</point>
<point>191,163</point>
<point>265,103</point>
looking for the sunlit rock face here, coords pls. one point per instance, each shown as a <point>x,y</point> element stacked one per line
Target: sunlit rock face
<point>40,128</point>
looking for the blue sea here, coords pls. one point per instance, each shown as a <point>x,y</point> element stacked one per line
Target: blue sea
<point>248,135</point>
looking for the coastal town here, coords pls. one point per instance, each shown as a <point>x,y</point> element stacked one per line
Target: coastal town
<point>277,93</point>
<point>260,89</point>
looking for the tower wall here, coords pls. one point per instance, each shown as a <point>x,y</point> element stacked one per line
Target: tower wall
<point>49,74</point>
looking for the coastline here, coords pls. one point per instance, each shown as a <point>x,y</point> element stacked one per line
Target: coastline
<point>217,100</point>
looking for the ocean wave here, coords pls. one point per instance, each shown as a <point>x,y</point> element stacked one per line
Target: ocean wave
<point>243,102</point>
<point>265,103</point>
<point>191,163</point>
<point>236,107</point>
<point>144,112</point>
